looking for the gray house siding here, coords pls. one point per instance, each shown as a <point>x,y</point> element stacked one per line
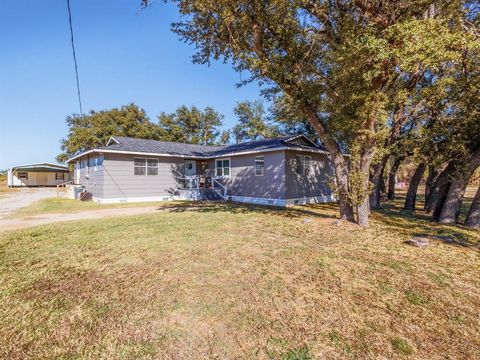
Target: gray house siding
<point>243,182</point>
<point>120,182</point>
<point>315,183</point>
<point>94,181</point>
<point>115,179</point>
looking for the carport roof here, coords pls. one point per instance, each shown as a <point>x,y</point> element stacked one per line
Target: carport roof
<point>40,167</point>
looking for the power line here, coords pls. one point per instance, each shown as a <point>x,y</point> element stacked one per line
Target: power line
<point>74,56</point>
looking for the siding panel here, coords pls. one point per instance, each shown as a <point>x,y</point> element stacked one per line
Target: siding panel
<point>316,183</point>
<point>243,181</point>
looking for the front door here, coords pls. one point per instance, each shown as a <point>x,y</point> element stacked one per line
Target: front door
<point>190,168</point>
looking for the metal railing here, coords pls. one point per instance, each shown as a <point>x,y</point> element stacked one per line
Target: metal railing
<point>63,187</point>
<point>190,182</point>
<point>222,192</point>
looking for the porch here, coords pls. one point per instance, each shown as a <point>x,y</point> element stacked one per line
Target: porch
<point>202,187</point>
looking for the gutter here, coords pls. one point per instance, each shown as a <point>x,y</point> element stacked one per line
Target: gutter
<point>196,157</point>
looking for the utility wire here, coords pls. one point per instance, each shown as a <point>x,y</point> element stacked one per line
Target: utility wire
<point>74,56</point>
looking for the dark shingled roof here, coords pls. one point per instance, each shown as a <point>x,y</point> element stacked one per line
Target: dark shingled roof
<point>172,148</point>
<point>158,147</point>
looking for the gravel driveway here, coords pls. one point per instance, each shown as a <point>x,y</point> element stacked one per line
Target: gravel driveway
<point>22,198</point>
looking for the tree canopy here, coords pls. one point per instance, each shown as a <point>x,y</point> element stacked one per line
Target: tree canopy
<point>96,127</point>
<point>252,122</point>
<point>351,68</point>
<point>191,126</point>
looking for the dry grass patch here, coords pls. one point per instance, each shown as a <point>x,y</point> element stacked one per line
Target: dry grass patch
<point>228,281</point>
<point>4,189</point>
<point>61,205</point>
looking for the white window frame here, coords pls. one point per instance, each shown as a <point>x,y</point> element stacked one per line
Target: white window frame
<point>223,167</point>
<point>146,167</point>
<point>262,160</point>
<point>23,177</point>
<point>303,164</point>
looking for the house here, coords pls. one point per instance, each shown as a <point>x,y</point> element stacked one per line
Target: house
<point>279,171</point>
<point>34,175</point>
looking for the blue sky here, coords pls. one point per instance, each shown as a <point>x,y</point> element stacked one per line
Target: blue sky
<point>124,55</point>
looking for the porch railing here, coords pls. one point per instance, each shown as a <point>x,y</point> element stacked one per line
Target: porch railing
<point>219,188</point>
<point>190,182</point>
<point>63,187</point>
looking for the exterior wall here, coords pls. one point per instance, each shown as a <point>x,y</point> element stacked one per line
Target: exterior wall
<point>280,185</point>
<point>34,179</point>
<point>315,183</point>
<point>117,181</point>
<point>243,182</point>
<point>89,176</point>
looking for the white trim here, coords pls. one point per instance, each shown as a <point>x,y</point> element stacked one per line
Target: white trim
<point>283,202</point>
<point>229,168</point>
<point>311,200</point>
<point>146,166</point>
<point>257,201</point>
<point>134,199</point>
<point>242,199</point>
<point>283,148</point>
<point>301,135</point>
<point>112,138</point>
<point>255,166</point>
<point>133,153</point>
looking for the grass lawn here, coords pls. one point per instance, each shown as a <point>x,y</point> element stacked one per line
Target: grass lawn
<point>62,205</point>
<point>227,281</point>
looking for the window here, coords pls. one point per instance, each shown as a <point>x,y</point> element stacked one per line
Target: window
<point>222,167</point>
<point>152,166</point>
<point>259,165</point>
<point>60,176</point>
<point>23,175</point>
<point>98,161</point>
<point>145,166</point>
<point>303,164</point>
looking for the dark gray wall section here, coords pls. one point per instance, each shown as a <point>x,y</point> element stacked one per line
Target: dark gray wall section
<point>316,183</point>
<point>243,181</point>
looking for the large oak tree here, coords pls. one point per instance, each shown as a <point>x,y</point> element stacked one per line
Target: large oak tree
<point>339,62</point>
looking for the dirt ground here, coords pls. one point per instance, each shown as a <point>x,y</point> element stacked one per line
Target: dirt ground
<point>14,200</point>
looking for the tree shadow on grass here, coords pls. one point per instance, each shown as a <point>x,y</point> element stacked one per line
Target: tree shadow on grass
<point>317,210</point>
<point>390,216</point>
<point>419,223</point>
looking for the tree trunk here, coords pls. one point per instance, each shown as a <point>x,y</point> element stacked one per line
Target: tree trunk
<point>453,200</point>
<point>413,187</point>
<point>339,162</point>
<point>363,213</point>
<point>392,178</point>
<point>432,176</point>
<point>341,175</point>
<point>363,209</point>
<point>450,208</point>
<point>377,178</point>
<point>440,186</point>
<point>473,217</point>
<point>440,200</point>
